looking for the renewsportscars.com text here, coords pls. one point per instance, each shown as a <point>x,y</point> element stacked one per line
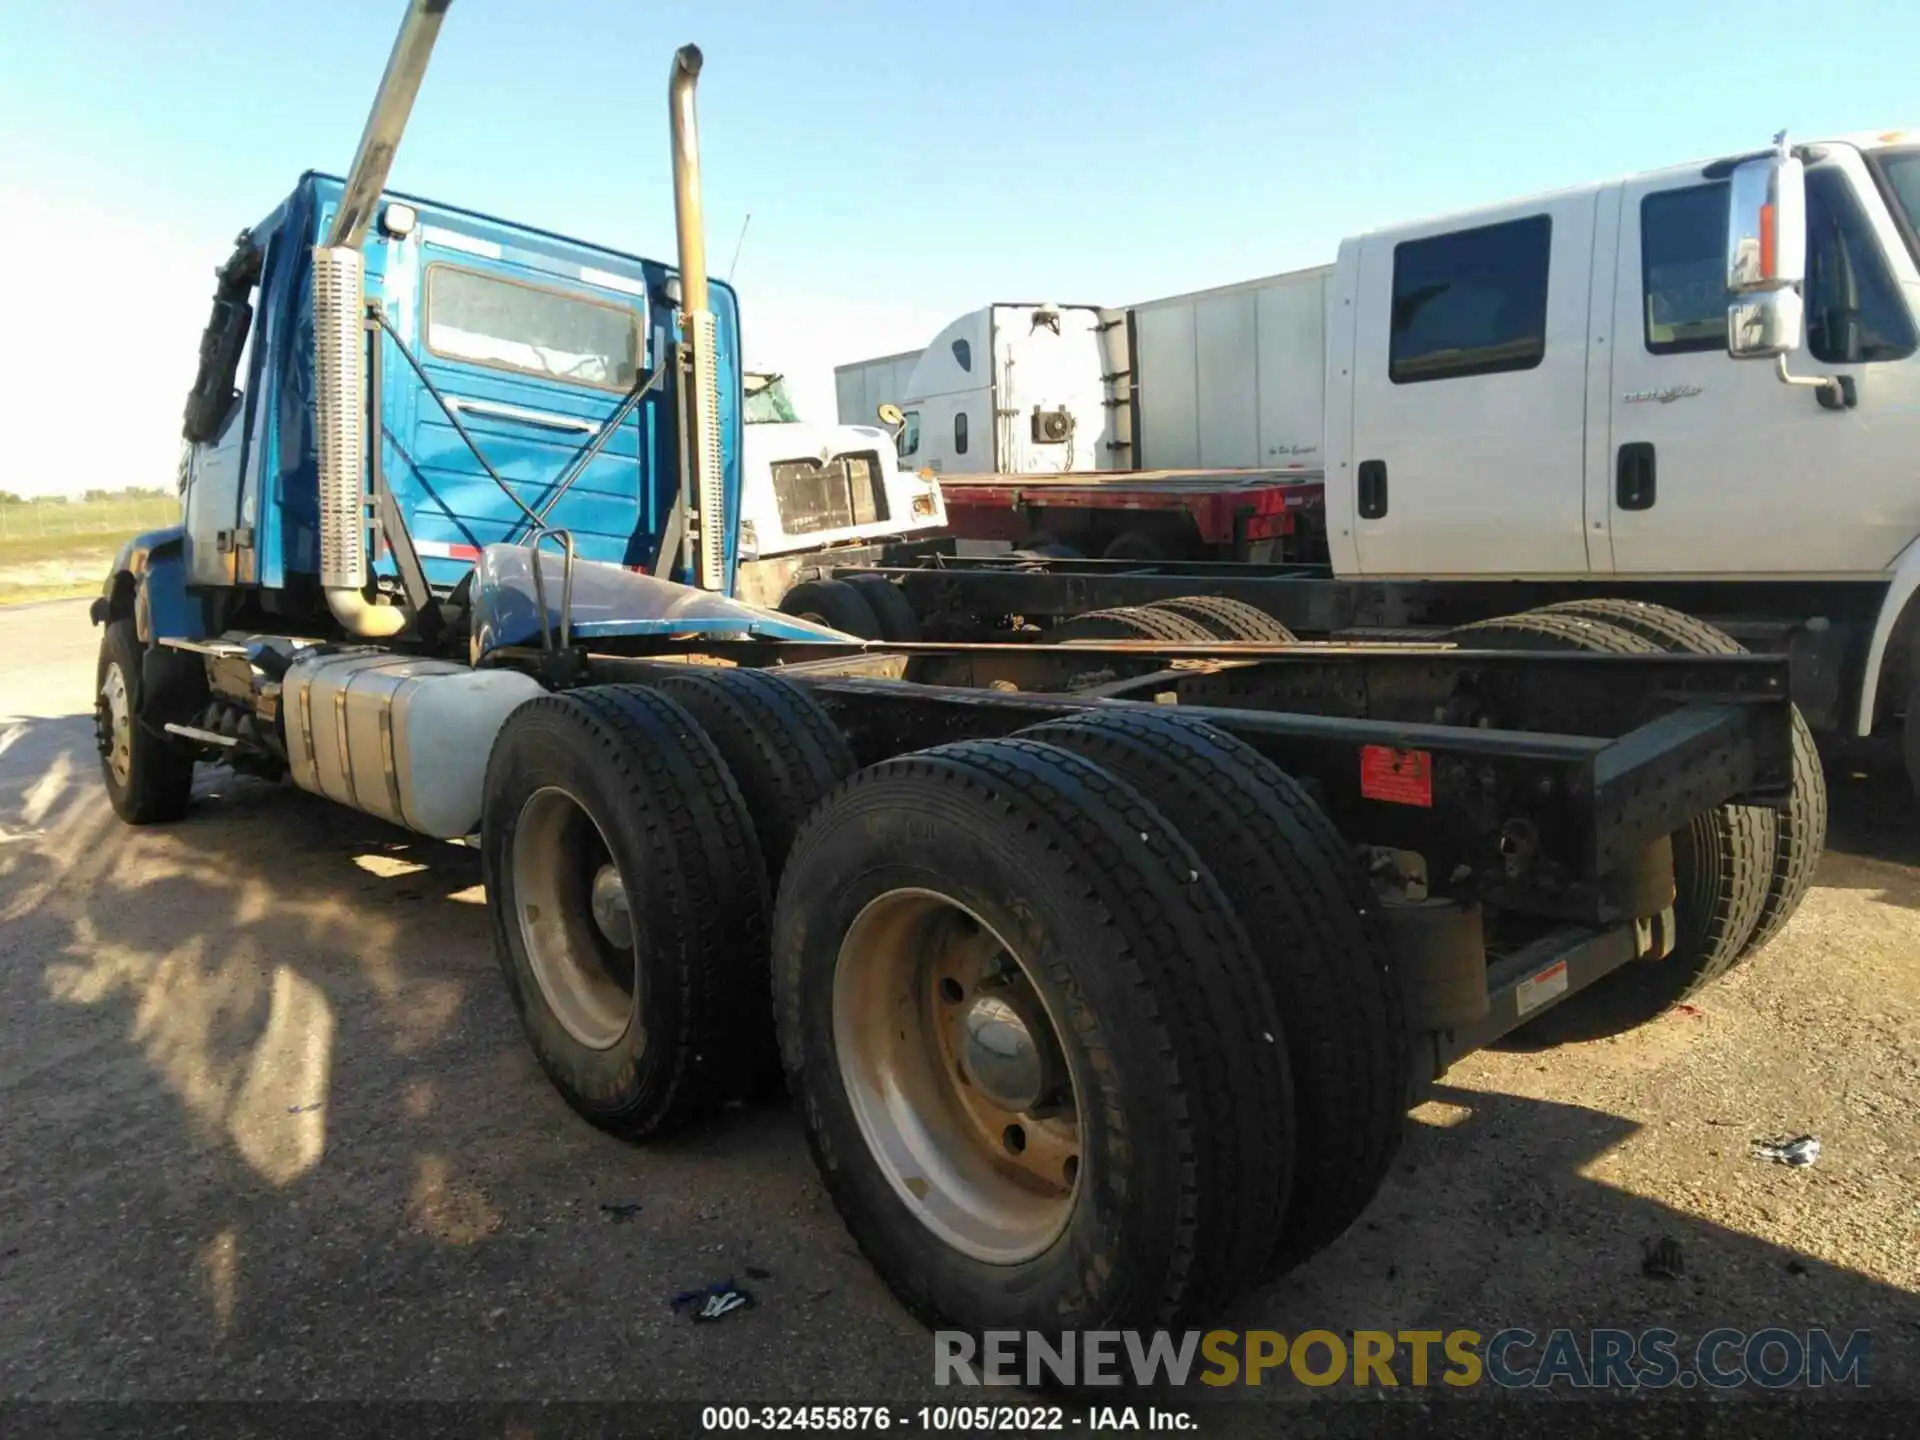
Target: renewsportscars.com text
<point>1513,1358</point>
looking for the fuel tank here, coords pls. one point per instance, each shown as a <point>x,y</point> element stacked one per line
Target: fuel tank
<point>398,736</point>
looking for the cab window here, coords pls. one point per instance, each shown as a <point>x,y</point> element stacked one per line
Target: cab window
<point>511,325</point>
<point>910,434</point>
<point>1855,311</point>
<point>1470,302</point>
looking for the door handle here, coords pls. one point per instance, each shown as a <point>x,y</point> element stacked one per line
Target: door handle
<point>1373,489</point>
<point>543,418</point>
<point>1633,479</point>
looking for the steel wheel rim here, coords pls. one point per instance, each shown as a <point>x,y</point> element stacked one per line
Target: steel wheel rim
<point>584,964</point>
<point>118,713</point>
<point>957,1077</point>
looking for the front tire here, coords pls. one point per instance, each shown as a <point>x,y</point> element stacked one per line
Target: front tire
<point>147,780</point>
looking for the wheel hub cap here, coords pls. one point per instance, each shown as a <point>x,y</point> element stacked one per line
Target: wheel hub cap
<point>113,725</point>
<point>610,910</point>
<point>998,1053</point>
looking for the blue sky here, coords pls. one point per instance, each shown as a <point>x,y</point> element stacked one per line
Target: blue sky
<point>902,163</point>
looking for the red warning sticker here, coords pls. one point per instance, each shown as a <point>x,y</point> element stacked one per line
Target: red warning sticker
<point>1399,777</point>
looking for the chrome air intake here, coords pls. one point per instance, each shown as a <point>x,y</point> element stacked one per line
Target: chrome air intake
<point>340,409</point>
<point>340,384</point>
<point>707,468</point>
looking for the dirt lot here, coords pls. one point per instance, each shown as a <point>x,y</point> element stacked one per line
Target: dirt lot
<point>267,1128</point>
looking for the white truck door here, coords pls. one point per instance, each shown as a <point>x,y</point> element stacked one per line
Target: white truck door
<point>1719,469</point>
<point>1469,393</point>
<point>1049,389</point>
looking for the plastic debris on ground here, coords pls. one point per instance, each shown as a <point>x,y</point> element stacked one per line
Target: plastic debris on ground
<point>716,1302</point>
<point>1799,1151</point>
<point>1662,1260</point>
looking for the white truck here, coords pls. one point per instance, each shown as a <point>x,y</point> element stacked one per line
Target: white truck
<point>1542,401</point>
<point>810,491</point>
<point>1223,379</point>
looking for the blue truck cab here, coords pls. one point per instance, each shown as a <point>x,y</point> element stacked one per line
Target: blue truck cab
<point>527,340</point>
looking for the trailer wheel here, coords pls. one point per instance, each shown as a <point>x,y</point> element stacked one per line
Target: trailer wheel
<point>1802,826</point>
<point>1040,1071</point>
<point>1722,861</point>
<point>629,904</point>
<point>1131,622</point>
<point>148,781</point>
<point>835,604</point>
<point>782,749</point>
<point>1225,618</point>
<point>1298,889</point>
<point>890,607</point>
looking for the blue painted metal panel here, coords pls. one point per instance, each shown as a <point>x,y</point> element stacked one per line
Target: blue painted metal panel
<point>617,509</point>
<point>156,562</point>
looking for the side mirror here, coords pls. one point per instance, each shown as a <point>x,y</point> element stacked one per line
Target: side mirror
<point>1765,325</point>
<point>1766,255</point>
<point>891,417</point>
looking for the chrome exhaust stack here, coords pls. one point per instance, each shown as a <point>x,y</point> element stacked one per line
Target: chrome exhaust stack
<point>699,371</point>
<point>340,345</point>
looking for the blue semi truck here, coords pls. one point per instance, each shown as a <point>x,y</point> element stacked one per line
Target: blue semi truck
<point>1102,967</point>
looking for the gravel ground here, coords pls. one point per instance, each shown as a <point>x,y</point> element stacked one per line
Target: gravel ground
<point>268,1129</point>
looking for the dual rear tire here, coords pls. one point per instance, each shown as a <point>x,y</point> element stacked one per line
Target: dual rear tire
<point>1740,871</point>
<point>1086,1025</point>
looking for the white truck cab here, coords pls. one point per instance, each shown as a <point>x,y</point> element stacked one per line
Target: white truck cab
<point>1553,389</point>
<point>808,488</point>
<point>1543,388</point>
<point>1010,390</point>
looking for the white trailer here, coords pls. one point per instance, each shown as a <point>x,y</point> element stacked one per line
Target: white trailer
<point>860,389</point>
<point>1232,378</point>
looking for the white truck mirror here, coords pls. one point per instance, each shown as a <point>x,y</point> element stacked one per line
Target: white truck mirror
<point>1766,325</point>
<point>891,417</point>
<point>1766,267</point>
<point>1766,255</point>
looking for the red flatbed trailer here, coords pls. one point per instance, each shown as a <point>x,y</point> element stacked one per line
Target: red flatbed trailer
<point>1259,515</point>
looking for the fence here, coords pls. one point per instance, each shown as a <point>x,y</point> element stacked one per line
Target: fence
<point>56,519</point>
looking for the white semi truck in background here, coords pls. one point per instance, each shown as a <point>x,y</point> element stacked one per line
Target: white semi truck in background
<point>1542,401</point>
<point>811,491</point>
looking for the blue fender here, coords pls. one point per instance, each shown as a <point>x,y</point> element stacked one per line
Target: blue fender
<point>148,579</point>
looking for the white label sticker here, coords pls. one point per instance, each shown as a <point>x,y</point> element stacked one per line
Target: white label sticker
<point>1536,990</point>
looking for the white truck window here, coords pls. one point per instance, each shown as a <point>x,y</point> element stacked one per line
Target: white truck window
<point>1683,238</point>
<point>1855,314</point>
<point>1901,170</point>
<point>960,432</point>
<point>1470,302</point>
<point>910,435</point>
<point>511,325</point>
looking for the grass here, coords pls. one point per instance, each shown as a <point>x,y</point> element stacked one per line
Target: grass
<point>51,550</point>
